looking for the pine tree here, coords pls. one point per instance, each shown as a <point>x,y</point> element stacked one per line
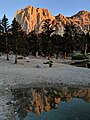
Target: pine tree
<point>1,37</point>
<point>56,44</point>
<point>18,36</point>
<point>46,34</point>
<point>34,43</point>
<point>5,26</point>
<point>69,38</point>
<point>88,41</point>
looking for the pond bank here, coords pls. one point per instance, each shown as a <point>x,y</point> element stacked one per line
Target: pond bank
<point>26,73</point>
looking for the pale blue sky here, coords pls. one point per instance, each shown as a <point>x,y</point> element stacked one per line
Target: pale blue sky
<point>65,7</point>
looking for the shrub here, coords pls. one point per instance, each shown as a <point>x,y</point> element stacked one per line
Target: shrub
<point>49,62</point>
<point>80,57</point>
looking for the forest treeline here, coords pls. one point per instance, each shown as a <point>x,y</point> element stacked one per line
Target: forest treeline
<point>14,39</point>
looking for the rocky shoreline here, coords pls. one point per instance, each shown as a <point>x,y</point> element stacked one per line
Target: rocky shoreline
<point>27,74</point>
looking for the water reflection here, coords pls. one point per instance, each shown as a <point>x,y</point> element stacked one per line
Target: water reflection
<point>44,100</point>
<point>85,63</point>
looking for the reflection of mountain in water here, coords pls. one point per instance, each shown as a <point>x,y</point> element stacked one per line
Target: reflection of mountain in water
<point>37,100</point>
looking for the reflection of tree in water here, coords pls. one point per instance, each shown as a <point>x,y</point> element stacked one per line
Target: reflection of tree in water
<point>37,100</point>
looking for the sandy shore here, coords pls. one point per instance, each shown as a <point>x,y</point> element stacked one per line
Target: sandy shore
<point>33,71</point>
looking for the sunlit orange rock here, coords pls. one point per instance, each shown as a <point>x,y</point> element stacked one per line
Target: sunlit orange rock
<point>32,18</point>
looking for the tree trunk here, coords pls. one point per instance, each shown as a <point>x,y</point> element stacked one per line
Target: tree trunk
<point>16,54</point>
<point>7,48</point>
<point>65,55</point>
<point>49,57</point>
<point>16,58</point>
<point>85,49</point>
<point>7,56</point>
<point>36,54</point>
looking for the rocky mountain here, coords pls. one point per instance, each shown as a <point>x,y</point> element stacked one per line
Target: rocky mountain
<point>32,18</point>
<point>82,18</point>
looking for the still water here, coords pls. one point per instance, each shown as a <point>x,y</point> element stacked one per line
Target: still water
<point>85,64</point>
<point>49,103</point>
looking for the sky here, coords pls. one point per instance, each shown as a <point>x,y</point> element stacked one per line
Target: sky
<point>65,7</point>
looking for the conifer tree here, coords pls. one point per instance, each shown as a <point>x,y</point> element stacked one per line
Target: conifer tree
<point>5,26</point>
<point>33,43</point>
<point>18,36</point>
<point>69,39</point>
<point>47,31</point>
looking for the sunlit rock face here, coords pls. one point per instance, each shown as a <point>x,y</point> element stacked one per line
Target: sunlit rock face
<point>82,18</point>
<point>32,18</point>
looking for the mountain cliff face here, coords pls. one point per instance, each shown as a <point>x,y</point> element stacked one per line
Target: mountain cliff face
<point>32,18</point>
<point>82,18</point>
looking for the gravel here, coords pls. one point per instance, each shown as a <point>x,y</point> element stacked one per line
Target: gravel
<point>26,72</point>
